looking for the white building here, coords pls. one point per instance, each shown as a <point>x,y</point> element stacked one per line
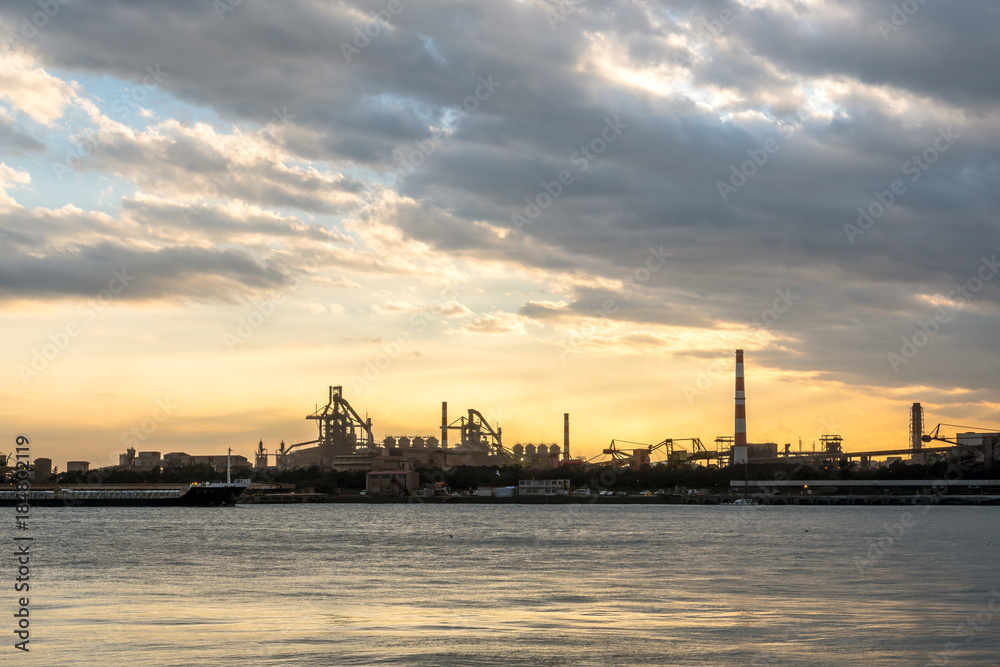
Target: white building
<point>543,487</point>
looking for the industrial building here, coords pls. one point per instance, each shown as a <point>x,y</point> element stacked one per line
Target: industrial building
<point>980,446</point>
<point>141,462</point>
<point>543,487</point>
<point>42,470</point>
<point>148,461</point>
<point>391,482</point>
<point>345,442</point>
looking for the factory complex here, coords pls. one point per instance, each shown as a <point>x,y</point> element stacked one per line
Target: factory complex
<point>345,442</point>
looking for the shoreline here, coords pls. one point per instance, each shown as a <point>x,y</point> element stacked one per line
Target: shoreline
<point>670,499</point>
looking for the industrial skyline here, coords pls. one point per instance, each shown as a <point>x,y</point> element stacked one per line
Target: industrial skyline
<point>507,207</point>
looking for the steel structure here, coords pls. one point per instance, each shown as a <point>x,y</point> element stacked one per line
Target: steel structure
<point>916,426</point>
<point>341,429</point>
<point>989,447</point>
<point>832,444</point>
<point>643,455</point>
<point>476,434</point>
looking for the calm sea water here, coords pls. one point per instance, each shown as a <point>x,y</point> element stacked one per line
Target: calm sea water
<point>511,585</point>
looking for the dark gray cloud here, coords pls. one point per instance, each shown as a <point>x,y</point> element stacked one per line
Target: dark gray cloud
<point>871,103</point>
<point>15,140</point>
<point>130,274</point>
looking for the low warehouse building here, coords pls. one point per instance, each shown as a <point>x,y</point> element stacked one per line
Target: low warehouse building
<point>391,482</point>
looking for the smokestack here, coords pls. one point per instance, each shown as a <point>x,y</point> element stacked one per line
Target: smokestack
<point>916,426</point>
<point>741,403</point>
<point>444,424</point>
<point>565,436</point>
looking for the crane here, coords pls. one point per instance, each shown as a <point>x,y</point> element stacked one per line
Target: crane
<point>622,459</point>
<point>644,454</point>
<point>989,447</point>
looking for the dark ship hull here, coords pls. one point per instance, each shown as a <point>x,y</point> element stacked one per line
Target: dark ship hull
<point>195,495</point>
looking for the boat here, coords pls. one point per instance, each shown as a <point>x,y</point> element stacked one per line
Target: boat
<point>213,494</point>
<point>209,494</point>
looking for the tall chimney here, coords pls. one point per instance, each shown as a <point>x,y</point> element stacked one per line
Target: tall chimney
<point>916,426</point>
<point>741,402</point>
<point>444,424</point>
<point>565,436</point>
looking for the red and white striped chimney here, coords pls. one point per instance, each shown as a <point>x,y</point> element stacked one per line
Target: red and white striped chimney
<point>741,403</point>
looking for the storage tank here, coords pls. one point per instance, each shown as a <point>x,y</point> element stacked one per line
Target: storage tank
<point>418,442</point>
<point>404,441</point>
<point>43,469</point>
<point>519,450</point>
<point>530,450</point>
<point>554,449</point>
<point>389,442</point>
<point>432,442</point>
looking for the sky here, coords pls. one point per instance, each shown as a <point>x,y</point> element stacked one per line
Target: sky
<point>211,211</point>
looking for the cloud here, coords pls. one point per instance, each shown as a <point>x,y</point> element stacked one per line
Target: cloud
<point>200,163</point>
<point>14,139</point>
<point>8,178</point>
<point>843,111</point>
<point>194,273</point>
<point>30,89</point>
<point>498,322</point>
<point>451,309</point>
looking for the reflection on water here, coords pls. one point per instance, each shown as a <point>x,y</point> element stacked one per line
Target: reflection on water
<point>514,585</point>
